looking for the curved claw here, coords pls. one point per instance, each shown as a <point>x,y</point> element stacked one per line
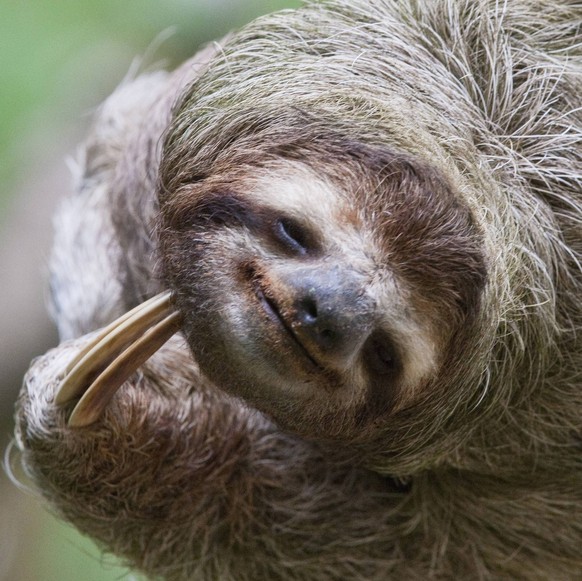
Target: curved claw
<point>98,371</point>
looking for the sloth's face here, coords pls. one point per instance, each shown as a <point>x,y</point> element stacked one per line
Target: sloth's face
<point>292,300</point>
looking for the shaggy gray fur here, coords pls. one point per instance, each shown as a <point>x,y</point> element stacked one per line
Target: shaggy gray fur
<point>186,483</point>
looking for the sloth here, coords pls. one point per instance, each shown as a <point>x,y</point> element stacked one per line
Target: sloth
<point>319,295</point>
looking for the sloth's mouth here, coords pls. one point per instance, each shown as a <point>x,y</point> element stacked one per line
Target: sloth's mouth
<point>271,308</point>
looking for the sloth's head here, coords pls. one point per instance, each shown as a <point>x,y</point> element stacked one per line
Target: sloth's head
<point>322,280</point>
<point>352,248</point>
<point>322,229</point>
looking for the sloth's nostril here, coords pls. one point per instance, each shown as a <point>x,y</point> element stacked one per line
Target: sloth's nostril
<point>308,310</point>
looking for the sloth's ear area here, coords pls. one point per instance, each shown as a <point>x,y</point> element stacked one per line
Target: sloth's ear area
<point>106,362</point>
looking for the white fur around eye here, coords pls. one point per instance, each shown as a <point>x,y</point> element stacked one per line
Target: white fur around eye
<point>296,190</point>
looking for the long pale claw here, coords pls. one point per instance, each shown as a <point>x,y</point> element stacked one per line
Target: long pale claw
<point>153,302</point>
<point>100,392</point>
<point>98,371</point>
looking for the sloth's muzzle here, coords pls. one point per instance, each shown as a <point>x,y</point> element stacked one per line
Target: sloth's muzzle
<point>116,352</point>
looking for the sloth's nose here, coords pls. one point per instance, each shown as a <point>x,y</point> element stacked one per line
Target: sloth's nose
<point>331,313</point>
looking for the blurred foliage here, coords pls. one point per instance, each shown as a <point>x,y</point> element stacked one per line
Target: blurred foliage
<point>58,59</point>
<point>64,555</point>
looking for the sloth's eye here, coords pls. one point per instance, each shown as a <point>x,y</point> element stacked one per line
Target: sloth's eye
<point>380,355</point>
<point>293,235</point>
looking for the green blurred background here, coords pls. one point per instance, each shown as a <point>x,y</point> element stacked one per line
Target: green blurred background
<point>58,60</point>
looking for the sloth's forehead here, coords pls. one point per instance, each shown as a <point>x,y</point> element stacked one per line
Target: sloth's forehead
<point>297,190</point>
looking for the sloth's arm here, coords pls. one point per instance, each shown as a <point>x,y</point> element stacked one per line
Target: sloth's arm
<point>185,482</point>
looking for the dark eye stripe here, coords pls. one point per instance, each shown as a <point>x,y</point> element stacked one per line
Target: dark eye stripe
<point>225,208</point>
